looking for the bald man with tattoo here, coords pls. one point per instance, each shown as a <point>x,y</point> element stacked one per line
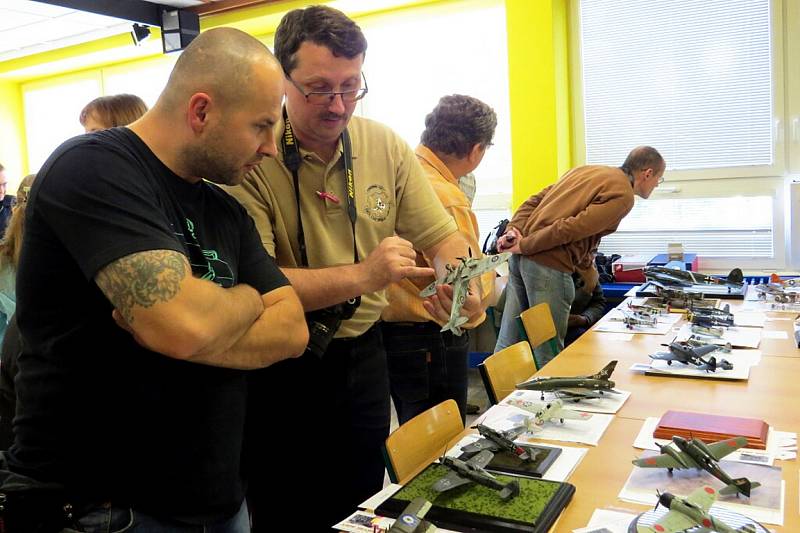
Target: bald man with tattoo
<point>145,296</point>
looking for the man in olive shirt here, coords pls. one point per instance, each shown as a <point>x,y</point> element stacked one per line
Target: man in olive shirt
<point>335,248</point>
<point>556,232</point>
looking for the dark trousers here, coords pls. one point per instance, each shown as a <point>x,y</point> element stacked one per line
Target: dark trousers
<point>426,367</point>
<point>315,433</point>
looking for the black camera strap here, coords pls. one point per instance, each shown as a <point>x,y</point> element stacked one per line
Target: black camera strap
<point>292,160</point>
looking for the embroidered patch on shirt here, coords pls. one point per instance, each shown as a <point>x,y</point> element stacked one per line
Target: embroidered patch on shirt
<point>377,203</point>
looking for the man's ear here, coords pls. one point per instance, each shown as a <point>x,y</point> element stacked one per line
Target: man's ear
<point>199,107</point>
<point>475,153</point>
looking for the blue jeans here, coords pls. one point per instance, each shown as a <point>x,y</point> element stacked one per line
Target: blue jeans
<point>530,284</point>
<point>426,367</point>
<point>110,519</point>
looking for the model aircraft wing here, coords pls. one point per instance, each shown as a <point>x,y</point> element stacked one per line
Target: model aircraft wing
<point>663,356</point>
<point>487,264</point>
<point>450,481</point>
<point>480,445</point>
<point>673,522</point>
<point>482,459</point>
<point>570,414</point>
<point>577,393</point>
<point>430,290</point>
<point>661,461</point>
<point>703,497</point>
<point>703,350</point>
<point>515,432</point>
<point>720,449</point>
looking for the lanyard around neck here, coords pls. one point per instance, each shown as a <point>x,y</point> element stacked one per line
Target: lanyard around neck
<point>292,160</point>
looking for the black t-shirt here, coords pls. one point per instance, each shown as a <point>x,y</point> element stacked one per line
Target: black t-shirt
<point>97,412</point>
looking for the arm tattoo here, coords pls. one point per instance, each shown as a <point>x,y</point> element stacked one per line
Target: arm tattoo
<point>143,279</point>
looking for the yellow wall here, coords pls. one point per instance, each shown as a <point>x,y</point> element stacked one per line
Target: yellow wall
<point>539,94</point>
<point>537,56</point>
<point>12,134</point>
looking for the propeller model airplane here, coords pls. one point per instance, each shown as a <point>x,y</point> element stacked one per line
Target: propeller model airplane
<point>691,514</point>
<point>706,331</point>
<point>473,471</point>
<point>495,441</point>
<point>686,278</point>
<point>777,292</point>
<point>548,412</point>
<point>688,354</point>
<point>695,453</point>
<point>576,387</point>
<point>636,319</point>
<point>459,276</point>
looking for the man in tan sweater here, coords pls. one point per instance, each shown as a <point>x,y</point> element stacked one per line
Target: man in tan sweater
<point>556,232</point>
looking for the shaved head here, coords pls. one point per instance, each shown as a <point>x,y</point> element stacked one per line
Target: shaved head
<point>220,62</point>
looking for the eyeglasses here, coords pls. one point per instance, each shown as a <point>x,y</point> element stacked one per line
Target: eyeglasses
<point>661,180</point>
<point>327,97</point>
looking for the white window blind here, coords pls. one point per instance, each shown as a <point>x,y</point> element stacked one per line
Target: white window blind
<point>692,78</point>
<point>710,227</point>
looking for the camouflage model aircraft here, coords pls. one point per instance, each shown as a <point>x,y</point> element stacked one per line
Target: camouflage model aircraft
<point>459,276</point>
<point>636,319</point>
<point>691,514</point>
<point>707,331</point>
<point>686,278</point>
<point>473,471</point>
<point>549,412</point>
<point>411,519</point>
<point>695,453</point>
<point>576,387</point>
<point>688,354</point>
<point>495,441</point>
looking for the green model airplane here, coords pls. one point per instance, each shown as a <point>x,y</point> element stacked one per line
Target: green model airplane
<point>576,387</point>
<point>691,514</point>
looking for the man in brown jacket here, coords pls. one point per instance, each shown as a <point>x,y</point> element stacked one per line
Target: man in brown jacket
<point>556,232</point>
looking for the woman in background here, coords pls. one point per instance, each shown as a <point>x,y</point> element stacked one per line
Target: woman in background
<point>111,111</point>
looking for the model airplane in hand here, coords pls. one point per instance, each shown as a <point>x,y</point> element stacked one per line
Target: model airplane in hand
<point>459,276</point>
<point>686,278</point>
<point>577,387</point>
<point>691,514</point>
<point>688,354</point>
<point>548,412</point>
<point>495,441</point>
<point>473,471</point>
<point>695,453</point>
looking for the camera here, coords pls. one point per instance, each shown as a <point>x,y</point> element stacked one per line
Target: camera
<point>324,323</point>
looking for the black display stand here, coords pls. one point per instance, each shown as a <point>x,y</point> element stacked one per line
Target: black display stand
<point>708,291</point>
<point>509,463</point>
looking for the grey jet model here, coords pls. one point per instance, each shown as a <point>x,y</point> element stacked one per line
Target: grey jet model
<point>686,278</point>
<point>473,471</point>
<point>458,276</point>
<point>691,514</point>
<point>689,354</point>
<point>495,441</point>
<point>576,387</point>
<point>695,453</point>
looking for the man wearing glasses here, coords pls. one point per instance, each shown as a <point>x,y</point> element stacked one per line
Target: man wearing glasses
<point>342,209</point>
<point>556,232</point>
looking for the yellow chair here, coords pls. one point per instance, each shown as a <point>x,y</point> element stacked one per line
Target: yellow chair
<point>540,328</point>
<point>412,446</point>
<point>503,370</point>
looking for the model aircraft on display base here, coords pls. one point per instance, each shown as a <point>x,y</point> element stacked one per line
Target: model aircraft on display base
<point>549,412</point>
<point>686,278</point>
<point>473,471</point>
<point>576,387</point>
<point>648,310</point>
<point>459,276</point>
<point>688,354</point>
<point>707,331</point>
<point>691,514</point>
<point>495,441</point>
<point>695,453</point>
<point>777,293</point>
<point>678,299</point>
<point>636,319</point>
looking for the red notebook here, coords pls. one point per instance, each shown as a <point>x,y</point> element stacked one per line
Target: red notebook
<point>711,428</point>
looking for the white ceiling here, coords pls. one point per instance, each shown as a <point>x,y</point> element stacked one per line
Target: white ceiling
<point>28,27</point>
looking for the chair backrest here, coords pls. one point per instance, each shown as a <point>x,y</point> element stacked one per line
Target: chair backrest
<point>503,370</point>
<point>538,324</point>
<point>412,446</point>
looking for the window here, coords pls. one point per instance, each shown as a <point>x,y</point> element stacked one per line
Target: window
<point>51,113</point>
<point>692,78</point>
<point>418,55</point>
